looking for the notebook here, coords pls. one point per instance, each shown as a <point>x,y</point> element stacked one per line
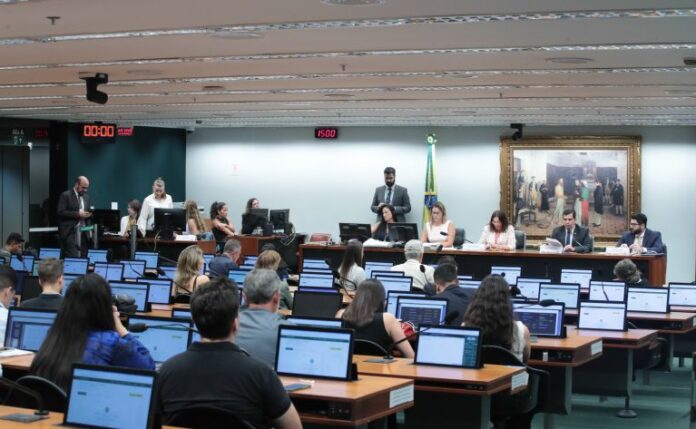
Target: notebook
<point>449,346</point>
<point>566,293</point>
<point>682,295</point>
<point>314,264</point>
<point>373,265</point>
<point>469,284</point>
<point>529,287</point>
<point>383,273</point>
<point>167,272</point>
<point>27,328</point>
<point>609,316</point>
<point>67,281</point>
<point>305,351</point>
<point>26,264</point>
<point>607,291</point>
<point>541,321</point>
<point>395,284</point>
<point>110,397</point>
<point>133,269</point>
<point>186,314</point>
<point>421,311</point>
<point>238,276</point>
<point>647,299</point>
<point>165,337</point>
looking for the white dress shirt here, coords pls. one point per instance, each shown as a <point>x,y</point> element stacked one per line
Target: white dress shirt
<point>146,221</point>
<point>411,268</point>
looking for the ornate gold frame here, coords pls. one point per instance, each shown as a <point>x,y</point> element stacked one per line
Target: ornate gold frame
<point>631,144</point>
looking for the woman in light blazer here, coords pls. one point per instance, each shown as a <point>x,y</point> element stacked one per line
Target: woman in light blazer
<point>498,234</point>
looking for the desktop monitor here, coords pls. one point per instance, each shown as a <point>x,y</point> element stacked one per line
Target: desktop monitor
<point>75,266</point>
<point>393,296</point>
<point>541,321</point>
<point>167,272</point>
<point>469,284</point>
<point>371,266</point>
<point>421,311</point>
<point>49,252</point>
<point>510,273</point>
<point>68,279</point>
<point>183,313</point>
<point>27,328</point>
<point>315,264</point>
<point>358,231</point>
<point>258,218</point>
<point>607,291</point>
<point>207,257</point>
<point>582,277</point>
<point>399,231</point>
<point>647,299</point>
<point>151,259</point>
<point>316,280</point>
<point>609,316</point>
<point>25,264</point>
<point>316,304</point>
<point>110,272</point>
<point>304,351</point>
<point>317,289</point>
<point>280,218</point>
<point>133,269</point>
<point>529,288</point>
<point>250,260</point>
<point>139,291</point>
<point>165,337</point>
<point>160,290</point>
<point>110,397</point>
<point>97,255</point>
<point>682,295</point>
<point>395,284</point>
<point>566,293</point>
<point>449,346</point>
<point>315,321</point>
<point>169,220</point>
<point>109,219</point>
<point>31,288</point>
<point>238,276</point>
<point>381,273</point>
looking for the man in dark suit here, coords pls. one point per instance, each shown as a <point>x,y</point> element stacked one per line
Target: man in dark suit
<point>392,194</point>
<point>574,238</point>
<point>447,287</point>
<point>74,213</point>
<point>640,239</point>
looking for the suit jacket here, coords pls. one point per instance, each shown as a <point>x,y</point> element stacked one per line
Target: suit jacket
<point>69,212</point>
<point>652,240</point>
<point>400,201</point>
<point>581,238</point>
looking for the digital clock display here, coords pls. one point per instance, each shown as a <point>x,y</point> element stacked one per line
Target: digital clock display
<point>326,133</point>
<point>98,133</point>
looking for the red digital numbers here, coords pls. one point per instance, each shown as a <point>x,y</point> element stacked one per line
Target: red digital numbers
<point>326,133</point>
<point>95,130</point>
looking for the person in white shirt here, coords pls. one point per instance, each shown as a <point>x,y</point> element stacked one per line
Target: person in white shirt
<point>498,234</point>
<point>130,219</point>
<point>439,229</point>
<point>157,200</point>
<point>413,251</point>
<point>351,272</point>
<point>8,279</point>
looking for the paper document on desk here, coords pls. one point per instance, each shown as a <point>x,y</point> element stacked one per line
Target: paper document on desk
<point>13,352</point>
<point>620,251</point>
<point>371,242</point>
<point>551,246</point>
<point>431,245</point>
<point>473,247</point>
<point>184,238</point>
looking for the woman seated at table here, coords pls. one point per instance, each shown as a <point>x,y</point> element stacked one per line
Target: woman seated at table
<point>439,224</point>
<point>130,219</point>
<point>491,311</point>
<point>498,234</point>
<point>271,259</point>
<point>195,223</point>
<point>367,317</point>
<point>87,329</point>
<point>249,221</point>
<point>380,230</point>
<point>351,271</point>
<point>188,271</point>
<point>222,227</point>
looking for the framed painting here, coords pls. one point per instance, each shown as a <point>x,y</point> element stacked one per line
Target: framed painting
<point>598,177</point>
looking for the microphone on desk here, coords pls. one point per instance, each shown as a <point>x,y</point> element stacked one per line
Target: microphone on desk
<point>142,327</point>
<point>41,412</point>
<point>164,273</point>
<point>542,303</point>
<point>389,357</point>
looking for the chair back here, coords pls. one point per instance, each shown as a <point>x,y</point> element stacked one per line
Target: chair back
<point>367,347</point>
<point>319,237</point>
<point>459,236</point>
<point>520,240</point>
<point>54,398</point>
<point>206,417</point>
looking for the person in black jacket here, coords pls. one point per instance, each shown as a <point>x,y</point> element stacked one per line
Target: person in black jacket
<point>74,211</point>
<point>447,287</point>
<point>573,238</point>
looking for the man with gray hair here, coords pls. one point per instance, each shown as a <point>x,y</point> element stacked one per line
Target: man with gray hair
<point>258,324</point>
<point>413,267</point>
<point>221,265</point>
<point>626,271</point>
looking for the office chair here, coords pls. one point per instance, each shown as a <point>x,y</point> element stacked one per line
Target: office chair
<point>367,347</point>
<point>516,410</point>
<point>520,240</point>
<point>459,237</point>
<point>206,417</point>
<point>54,398</point>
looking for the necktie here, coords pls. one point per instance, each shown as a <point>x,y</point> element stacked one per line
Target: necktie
<point>567,242</point>
<point>389,196</point>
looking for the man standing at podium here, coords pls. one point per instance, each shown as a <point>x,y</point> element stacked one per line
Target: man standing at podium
<point>74,211</point>
<point>392,194</point>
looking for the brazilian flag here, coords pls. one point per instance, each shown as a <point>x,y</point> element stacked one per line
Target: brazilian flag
<point>430,185</point>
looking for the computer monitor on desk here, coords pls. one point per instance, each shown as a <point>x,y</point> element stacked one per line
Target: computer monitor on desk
<point>49,252</point>
<point>358,231</point>
<point>168,221</point>
<point>541,321</point>
<point>403,231</point>
<point>609,316</point>
<point>110,220</point>
<point>647,299</point>
<point>27,327</point>
<point>280,219</point>
<point>567,293</point>
<point>582,277</point>
<point>304,351</point>
<point>607,291</point>
<point>449,346</point>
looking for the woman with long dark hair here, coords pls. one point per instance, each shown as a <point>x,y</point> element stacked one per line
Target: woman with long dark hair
<point>351,271</point>
<point>249,221</point>
<point>87,329</point>
<point>491,311</point>
<point>222,227</point>
<point>367,317</point>
<point>387,215</point>
<point>498,234</point>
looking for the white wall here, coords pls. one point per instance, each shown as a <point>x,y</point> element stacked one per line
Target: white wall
<point>324,182</point>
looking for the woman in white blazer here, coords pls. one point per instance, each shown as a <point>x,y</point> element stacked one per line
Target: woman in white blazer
<point>498,234</point>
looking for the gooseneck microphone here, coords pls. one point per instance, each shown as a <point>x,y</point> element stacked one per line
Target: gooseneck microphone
<point>389,357</point>
<point>41,412</point>
<point>142,327</point>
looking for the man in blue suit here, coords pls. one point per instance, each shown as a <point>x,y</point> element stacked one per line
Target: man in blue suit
<point>640,239</point>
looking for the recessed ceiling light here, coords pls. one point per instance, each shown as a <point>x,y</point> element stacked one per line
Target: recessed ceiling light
<point>569,60</point>
<point>338,95</point>
<point>144,72</point>
<point>237,35</point>
<point>352,2</point>
<point>680,92</point>
<point>458,75</point>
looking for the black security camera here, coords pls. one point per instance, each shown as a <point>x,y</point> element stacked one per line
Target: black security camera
<point>93,94</point>
<point>517,134</point>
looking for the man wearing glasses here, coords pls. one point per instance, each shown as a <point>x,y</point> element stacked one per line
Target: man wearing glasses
<point>640,239</point>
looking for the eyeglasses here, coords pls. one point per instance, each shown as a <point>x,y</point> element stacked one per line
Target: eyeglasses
<point>633,223</point>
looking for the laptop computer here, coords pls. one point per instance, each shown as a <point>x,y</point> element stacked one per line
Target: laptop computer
<point>181,313</point>
<point>315,321</point>
<point>313,264</point>
<point>316,280</point>
<point>26,264</point>
<point>647,299</point>
<point>133,269</point>
<point>395,284</point>
<point>162,338</point>
<point>75,266</point>
<point>160,290</point>
<point>49,252</point>
<point>110,272</point>
<point>469,284</point>
<point>449,346</point>
<point>27,328</point>
<point>529,287</point>
<point>97,255</point>
<point>316,304</point>
<point>67,281</point>
<point>393,297</point>
<point>238,276</point>
<point>305,351</point>
<point>607,291</point>
<point>567,293</point>
<point>421,311</point>
<point>139,291</point>
<point>151,259</point>
<point>608,316</point>
<point>374,265</point>
<point>541,321</point>
<point>682,295</point>
<point>167,272</point>
<point>317,289</point>
<point>510,273</point>
<point>110,397</point>
<point>582,277</point>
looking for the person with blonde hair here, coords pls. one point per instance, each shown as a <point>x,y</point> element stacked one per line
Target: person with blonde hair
<point>439,224</point>
<point>188,269</point>
<point>159,199</point>
<point>195,223</point>
<point>270,259</point>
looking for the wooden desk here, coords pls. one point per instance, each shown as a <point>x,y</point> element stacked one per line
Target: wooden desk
<point>287,246</point>
<point>352,403</point>
<point>535,264</point>
<point>170,249</point>
<point>457,397</point>
<point>54,419</point>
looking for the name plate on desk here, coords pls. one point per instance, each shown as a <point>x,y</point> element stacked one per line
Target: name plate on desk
<point>400,396</point>
<point>619,251</point>
<point>519,380</point>
<point>596,348</point>
<point>473,247</point>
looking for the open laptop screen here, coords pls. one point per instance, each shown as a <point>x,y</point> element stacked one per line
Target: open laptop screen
<point>111,272</point>
<point>161,338</point>
<point>26,328</point>
<point>315,264</point>
<point>109,397</point>
<point>603,315</point>
<point>510,273</point>
<point>541,321</point>
<point>682,295</point>
<point>160,290</point>
<point>316,304</point>
<point>393,296</point>
<point>421,311</point>
<point>315,321</point>
<point>138,291</point>
<point>385,273</point>
<point>167,272</point>
<point>374,265</point>
<point>314,352</point>
<point>567,293</point>
<point>133,269</point>
<point>238,276</point>
<point>67,281</point>
<point>395,284</point>
<point>186,314</point>
<point>49,252</point>
<point>607,291</point>
<point>449,346</point>
<point>647,299</point>
<point>582,277</point>
<point>529,288</point>
<point>151,258</point>
<point>316,280</point>
<point>75,266</point>
<point>26,264</point>
<point>97,255</point>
